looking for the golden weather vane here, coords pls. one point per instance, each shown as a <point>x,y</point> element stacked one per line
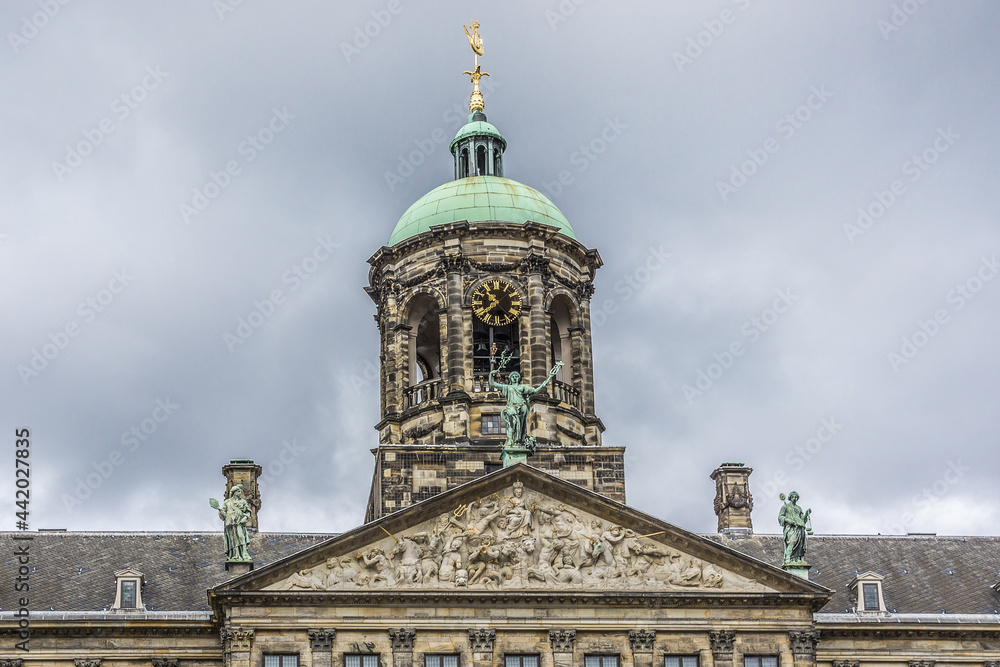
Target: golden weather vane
<point>476,42</point>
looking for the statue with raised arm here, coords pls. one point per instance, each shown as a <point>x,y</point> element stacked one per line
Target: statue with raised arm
<point>235,513</point>
<point>795,524</point>
<point>515,413</point>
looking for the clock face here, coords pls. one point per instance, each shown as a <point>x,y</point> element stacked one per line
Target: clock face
<point>496,302</point>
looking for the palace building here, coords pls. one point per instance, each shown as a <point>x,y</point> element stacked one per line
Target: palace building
<point>470,557</point>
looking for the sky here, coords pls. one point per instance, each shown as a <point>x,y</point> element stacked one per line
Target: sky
<point>796,205</point>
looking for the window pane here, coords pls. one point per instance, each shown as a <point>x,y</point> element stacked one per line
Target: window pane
<point>529,661</point>
<point>592,661</point>
<point>369,661</point>
<point>689,661</point>
<point>871,597</point>
<point>680,661</point>
<point>128,594</point>
<point>751,661</point>
<point>449,661</point>
<point>432,661</point>
<point>610,661</point>
<point>272,661</point>
<point>352,661</point>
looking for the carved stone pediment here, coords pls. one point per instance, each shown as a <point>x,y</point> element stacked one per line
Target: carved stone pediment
<point>523,530</point>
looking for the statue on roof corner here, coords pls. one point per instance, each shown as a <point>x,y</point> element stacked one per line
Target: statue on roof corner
<point>515,413</point>
<point>235,513</point>
<point>795,525</point>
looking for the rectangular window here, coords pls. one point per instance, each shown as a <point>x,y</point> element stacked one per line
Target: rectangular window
<point>871,597</point>
<point>760,661</point>
<point>128,594</point>
<point>440,661</point>
<point>360,660</point>
<point>493,425</point>
<point>281,660</point>
<point>600,661</point>
<point>680,661</point>
<point>520,661</point>
<point>490,467</point>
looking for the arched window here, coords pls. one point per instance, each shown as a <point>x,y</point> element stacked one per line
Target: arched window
<point>497,164</point>
<point>425,340</point>
<point>560,346</point>
<point>463,163</point>
<point>481,161</point>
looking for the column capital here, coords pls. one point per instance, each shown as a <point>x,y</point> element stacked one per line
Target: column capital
<point>804,643</point>
<point>722,643</point>
<point>561,641</point>
<point>321,640</point>
<point>482,639</point>
<point>642,640</point>
<point>402,640</point>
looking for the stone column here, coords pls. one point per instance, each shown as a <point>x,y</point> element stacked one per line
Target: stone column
<point>561,644</point>
<point>642,647</point>
<point>722,647</point>
<point>455,341</point>
<point>481,641</point>
<point>803,644</point>
<point>585,291</point>
<point>236,644</point>
<point>538,326</point>
<point>402,647</point>
<point>321,647</point>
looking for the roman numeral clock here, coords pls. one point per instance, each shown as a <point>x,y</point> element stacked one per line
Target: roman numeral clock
<point>479,268</point>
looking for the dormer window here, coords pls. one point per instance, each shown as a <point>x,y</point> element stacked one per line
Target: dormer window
<point>868,590</point>
<point>128,590</point>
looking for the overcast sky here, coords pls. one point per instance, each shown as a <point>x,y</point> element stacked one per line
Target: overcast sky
<point>823,177</point>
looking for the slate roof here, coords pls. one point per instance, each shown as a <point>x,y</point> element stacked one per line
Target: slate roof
<point>929,575</point>
<point>75,571</point>
<point>923,574</point>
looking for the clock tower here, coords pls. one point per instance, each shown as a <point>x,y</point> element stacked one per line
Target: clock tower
<point>480,270</point>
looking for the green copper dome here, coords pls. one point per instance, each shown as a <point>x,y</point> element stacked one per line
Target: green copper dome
<point>477,127</point>
<point>479,199</point>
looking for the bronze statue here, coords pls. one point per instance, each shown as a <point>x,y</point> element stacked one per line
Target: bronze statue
<point>515,413</point>
<point>235,513</point>
<point>795,524</point>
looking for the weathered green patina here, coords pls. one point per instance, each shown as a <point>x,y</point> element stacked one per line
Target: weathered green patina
<point>235,513</point>
<point>519,444</point>
<point>795,525</point>
<point>479,199</point>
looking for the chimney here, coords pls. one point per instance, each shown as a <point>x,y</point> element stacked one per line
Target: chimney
<point>245,472</point>
<point>733,502</point>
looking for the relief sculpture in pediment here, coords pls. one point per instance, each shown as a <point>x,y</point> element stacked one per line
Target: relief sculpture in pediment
<point>516,540</point>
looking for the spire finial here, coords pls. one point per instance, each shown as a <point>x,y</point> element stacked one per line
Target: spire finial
<point>476,42</point>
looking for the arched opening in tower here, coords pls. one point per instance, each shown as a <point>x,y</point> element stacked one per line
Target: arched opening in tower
<point>560,345</point>
<point>425,340</point>
<point>481,161</point>
<point>463,163</point>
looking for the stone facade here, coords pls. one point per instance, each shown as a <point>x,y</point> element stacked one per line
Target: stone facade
<point>408,474</point>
